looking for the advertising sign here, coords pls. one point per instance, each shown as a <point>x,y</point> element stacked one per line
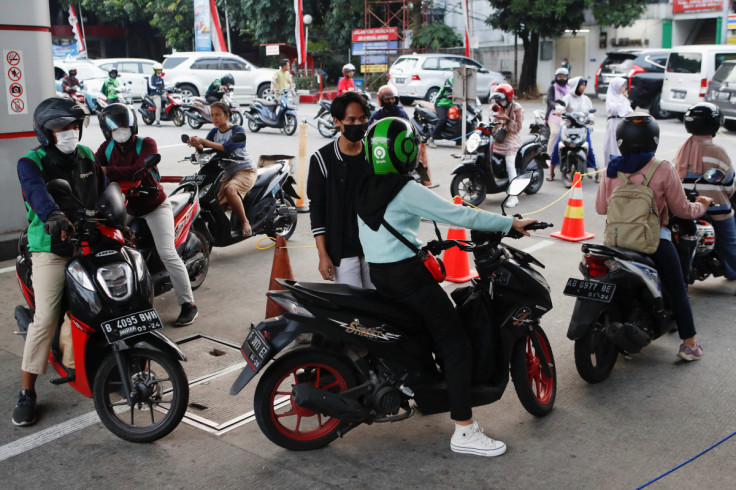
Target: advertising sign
<point>389,47</point>
<point>202,21</point>
<point>377,34</point>
<point>374,59</point>
<point>373,68</point>
<point>63,50</point>
<point>690,6</point>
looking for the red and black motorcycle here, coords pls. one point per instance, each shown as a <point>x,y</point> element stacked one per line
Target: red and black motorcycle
<point>171,108</point>
<point>132,371</point>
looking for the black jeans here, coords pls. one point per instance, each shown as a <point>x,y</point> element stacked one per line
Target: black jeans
<point>211,99</point>
<point>410,283</point>
<point>442,114</point>
<point>673,284</point>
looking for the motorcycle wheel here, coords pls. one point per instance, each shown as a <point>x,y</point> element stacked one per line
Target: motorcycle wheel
<point>253,126</point>
<point>566,173</point>
<point>537,177</point>
<point>147,120</point>
<point>583,168</point>
<point>236,118</point>
<point>192,123</point>
<point>324,128</point>
<point>287,227</point>
<point>468,187</point>
<point>203,254</point>
<point>289,125</point>
<point>177,116</point>
<point>159,387</point>
<point>280,419</point>
<point>595,355</point>
<point>535,390</point>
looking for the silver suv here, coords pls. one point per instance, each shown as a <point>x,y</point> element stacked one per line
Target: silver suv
<point>420,76</point>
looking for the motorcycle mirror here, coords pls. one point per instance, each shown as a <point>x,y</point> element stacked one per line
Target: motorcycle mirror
<point>62,193</point>
<point>519,184</point>
<point>111,204</point>
<point>592,110</point>
<point>238,137</point>
<point>152,160</point>
<point>185,138</point>
<point>714,176</point>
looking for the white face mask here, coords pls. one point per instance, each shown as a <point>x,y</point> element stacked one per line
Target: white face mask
<point>66,141</point>
<point>121,135</point>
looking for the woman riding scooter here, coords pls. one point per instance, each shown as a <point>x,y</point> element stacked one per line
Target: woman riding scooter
<point>511,116</point>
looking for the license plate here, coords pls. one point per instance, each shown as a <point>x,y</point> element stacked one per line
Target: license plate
<point>723,95</point>
<point>469,159</point>
<point>598,291</point>
<point>677,94</point>
<point>399,80</point>
<point>131,325</point>
<point>193,178</point>
<point>256,349</point>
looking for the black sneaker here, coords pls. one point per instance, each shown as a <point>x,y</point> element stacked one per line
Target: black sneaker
<point>25,410</point>
<point>187,315</point>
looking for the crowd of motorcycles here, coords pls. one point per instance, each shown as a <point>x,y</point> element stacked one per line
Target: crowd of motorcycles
<point>367,361</point>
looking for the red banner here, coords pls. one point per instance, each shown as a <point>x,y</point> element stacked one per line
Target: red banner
<point>690,6</point>
<point>377,34</point>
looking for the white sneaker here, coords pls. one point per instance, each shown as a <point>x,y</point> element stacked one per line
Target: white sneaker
<point>512,202</point>
<point>471,440</point>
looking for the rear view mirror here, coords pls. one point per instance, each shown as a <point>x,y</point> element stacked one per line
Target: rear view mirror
<point>519,184</point>
<point>152,160</point>
<point>62,193</point>
<point>185,138</point>
<point>592,110</point>
<point>238,137</point>
<point>714,176</point>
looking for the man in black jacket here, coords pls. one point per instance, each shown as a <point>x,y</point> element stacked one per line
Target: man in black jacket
<point>334,173</point>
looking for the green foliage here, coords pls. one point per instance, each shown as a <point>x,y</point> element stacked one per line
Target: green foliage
<point>306,83</point>
<point>617,13</point>
<point>435,36</point>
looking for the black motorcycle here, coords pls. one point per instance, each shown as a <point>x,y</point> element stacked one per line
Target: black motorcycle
<point>368,359</point>
<point>269,205</point>
<point>425,119</point>
<point>482,172</point>
<point>171,108</point>
<point>279,113</point>
<point>573,147</point>
<point>325,125</point>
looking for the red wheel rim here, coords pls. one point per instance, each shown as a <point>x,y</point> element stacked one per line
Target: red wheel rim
<point>299,423</point>
<point>542,386</point>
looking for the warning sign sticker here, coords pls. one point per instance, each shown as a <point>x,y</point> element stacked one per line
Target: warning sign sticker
<point>15,82</point>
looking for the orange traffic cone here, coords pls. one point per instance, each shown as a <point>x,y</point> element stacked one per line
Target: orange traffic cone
<point>457,262</point>
<point>281,269</point>
<point>573,228</point>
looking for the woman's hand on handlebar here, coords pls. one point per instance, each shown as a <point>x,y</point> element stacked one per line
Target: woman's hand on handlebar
<point>704,200</point>
<point>520,224</point>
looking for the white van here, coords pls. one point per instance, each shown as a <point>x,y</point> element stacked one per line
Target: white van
<point>689,72</point>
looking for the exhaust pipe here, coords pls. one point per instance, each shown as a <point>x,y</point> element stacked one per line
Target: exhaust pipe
<point>628,337</point>
<point>328,403</point>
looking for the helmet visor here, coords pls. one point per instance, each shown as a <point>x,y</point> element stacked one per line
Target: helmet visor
<point>118,117</point>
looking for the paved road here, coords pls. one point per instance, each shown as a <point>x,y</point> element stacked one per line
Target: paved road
<point>652,414</point>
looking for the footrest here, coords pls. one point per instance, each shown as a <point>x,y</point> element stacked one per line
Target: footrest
<point>64,380</point>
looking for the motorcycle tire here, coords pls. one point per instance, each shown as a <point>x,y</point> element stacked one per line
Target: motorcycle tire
<point>323,126</point>
<point>236,118</point>
<point>468,186</point>
<point>566,174</point>
<point>595,355</point>
<point>193,124</point>
<point>291,426</point>
<point>537,177</point>
<point>536,391</point>
<point>197,277</point>
<point>583,168</point>
<point>289,125</point>
<point>253,126</point>
<point>159,386</point>
<point>288,226</point>
<point>177,116</point>
<point>147,120</point>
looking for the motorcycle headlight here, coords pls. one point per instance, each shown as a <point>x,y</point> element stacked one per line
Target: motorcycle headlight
<point>80,276</point>
<point>473,143</point>
<point>140,265</point>
<point>116,280</point>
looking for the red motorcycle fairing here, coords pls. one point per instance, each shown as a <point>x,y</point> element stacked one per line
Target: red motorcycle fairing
<point>81,334</point>
<point>183,222</point>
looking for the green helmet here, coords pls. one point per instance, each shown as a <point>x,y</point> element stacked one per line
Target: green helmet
<point>391,146</point>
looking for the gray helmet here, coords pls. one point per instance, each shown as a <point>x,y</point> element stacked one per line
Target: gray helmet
<point>55,113</point>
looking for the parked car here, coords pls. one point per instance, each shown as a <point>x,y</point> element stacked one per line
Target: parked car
<point>689,72</point>
<point>420,76</point>
<point>136,70</point>
<point>616,64</point>
<point>722,92</point>
<point>645,81</point>
<point>192,73</point>
<point>87,72</point>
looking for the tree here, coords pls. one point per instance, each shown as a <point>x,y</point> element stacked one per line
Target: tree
<point>532,19</point>
<point>435,36</point>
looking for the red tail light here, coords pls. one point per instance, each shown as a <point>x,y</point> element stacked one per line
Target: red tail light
<point>703,87</point>
<point>415,77</point>
<point>388,76</point>
<point>596,265</point>
<point>597,74</point>
<point>635,69</point>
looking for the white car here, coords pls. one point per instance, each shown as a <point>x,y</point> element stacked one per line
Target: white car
<point>88,73</point>
<point>135,70</point>
<point>193,72</point>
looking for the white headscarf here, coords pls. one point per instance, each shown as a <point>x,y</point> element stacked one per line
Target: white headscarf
<point>575,102</point>
<point>617,105</point>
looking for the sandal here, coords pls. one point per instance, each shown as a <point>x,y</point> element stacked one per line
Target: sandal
<point>247,231</point>
<point>551,178</point>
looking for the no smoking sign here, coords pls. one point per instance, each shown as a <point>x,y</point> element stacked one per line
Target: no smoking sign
<point>15,82</point>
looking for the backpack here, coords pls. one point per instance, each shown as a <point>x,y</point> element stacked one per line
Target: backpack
<point>632,220</point>
<point>138,146</point>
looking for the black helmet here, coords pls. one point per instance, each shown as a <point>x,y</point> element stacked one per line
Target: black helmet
<point>703,118</point>
<point>113,73</point>
<point>117,116</point>
<point>55,113</point>
<point>227,80</point>
<point>391,146</point>
<point>637,133</point>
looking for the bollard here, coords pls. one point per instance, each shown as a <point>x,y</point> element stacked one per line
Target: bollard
<point>301,170</point>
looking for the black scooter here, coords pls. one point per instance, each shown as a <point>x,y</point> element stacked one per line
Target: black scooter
<point>269,205</point>
<point>425,119</point>
<point>325,124</point>
<point>369,360</point>
<point>482,172</point>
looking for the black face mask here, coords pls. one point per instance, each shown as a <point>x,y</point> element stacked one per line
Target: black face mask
<point>389,106</point>
<point>561,83</point>
<point>354,132</point>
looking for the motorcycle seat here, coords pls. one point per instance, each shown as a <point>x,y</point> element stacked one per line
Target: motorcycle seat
<point>267,173</point>
<point>623,253</point>
<point>178,202</point>
<point>427,106</point>
<point>266,103</point>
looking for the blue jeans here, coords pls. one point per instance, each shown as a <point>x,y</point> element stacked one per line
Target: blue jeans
<point>726,245</point>
<point>673,284</point>
<point>555,156</point>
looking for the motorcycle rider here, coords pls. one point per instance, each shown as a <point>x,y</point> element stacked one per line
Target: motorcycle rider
<point>240,176</point>
<point>575,101</point>
<point>334,173</point>
<point>695,156</point>
<point>346,83</point>
<point>156,88</point>
<point>58,124</point>
<point>387,98</point>
<point>111,87</point>
<point>442,105</point>
<point>511,115</point>
<point>389,195</point>
<point>557,91</point>
<point>218,87</point>
<point>70,84</point>
<point>120,158</point>
<point>638,138</point>
<point>282,77</point>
